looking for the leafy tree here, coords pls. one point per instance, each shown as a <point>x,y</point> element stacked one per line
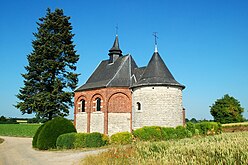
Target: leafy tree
<point>193,120</point>
<point>227,110</point>
<point>50,77</point>
<point>3,119</point>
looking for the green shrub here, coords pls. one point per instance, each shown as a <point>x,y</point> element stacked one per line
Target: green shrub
<point>51,131</point>
<point>121,138</point>
<point>197,132</point>
<point>208,128</point>
<point>80,140</point>
<point>34,142</point>
<point>106,139</point>
<point>182,132</point>
<point>148,133</point>
<point>191,127</point>
<point>95,139</point>
<point>66,141</point>
<point>168,133</point>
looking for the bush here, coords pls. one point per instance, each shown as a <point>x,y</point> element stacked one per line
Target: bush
<point>66,141</point>
<point>182,132</point>
<point>208,128</point>
<point>34,142</point>
<point>51,131</point>
<point>80,140</point>
<point>95,139</point>
<point>148,133</point>
<point>121,138</point>
<point>191,127</point>
<point>168,133</point>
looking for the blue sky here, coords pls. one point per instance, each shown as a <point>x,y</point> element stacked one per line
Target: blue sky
<point>204,43</point>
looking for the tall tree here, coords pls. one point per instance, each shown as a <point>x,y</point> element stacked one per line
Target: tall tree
<point>227,110</point>
<point>50,78</point>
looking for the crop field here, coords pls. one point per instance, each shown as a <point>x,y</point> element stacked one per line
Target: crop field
<point>227,148</point>
<point>235,127</point>
<point>18,130</point>
<point>235,124</point>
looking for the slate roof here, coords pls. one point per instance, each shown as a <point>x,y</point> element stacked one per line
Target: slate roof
<point>122,71</point>
<point>117,74</point>
<point>156,73</point>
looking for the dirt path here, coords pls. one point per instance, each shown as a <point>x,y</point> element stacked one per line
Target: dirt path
<point>16,150</point>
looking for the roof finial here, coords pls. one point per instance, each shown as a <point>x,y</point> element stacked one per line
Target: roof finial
<point>156,44</point>
<point>116,29</point>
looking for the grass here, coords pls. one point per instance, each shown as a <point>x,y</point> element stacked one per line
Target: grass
<point>227,148</point>
<point>18,130</point>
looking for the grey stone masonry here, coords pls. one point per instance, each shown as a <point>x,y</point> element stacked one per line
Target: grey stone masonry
<point>81,120</point>
<point>158,106</point>
<point>97,122</point>
<point>118,122</point>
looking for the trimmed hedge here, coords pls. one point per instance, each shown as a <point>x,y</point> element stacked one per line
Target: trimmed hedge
<point>95,139</point>
<point>34,141</point>
<point>51,131</point>
<point>66,141</point>
<point>121,138</point>
<point>81,140</point>
<point>156,133</point>
<point>148,133</point>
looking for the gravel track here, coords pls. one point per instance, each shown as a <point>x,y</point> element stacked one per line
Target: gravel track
<point>17,150</point>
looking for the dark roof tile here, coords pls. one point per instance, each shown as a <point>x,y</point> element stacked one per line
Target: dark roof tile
<point>156,73</point>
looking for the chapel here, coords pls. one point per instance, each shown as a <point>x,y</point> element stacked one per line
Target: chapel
<point>120,96</point>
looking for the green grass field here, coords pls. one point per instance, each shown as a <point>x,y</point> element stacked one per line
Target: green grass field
<point>226,148</point>
<point>18,130</point>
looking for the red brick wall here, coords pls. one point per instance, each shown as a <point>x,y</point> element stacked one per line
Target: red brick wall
<point>113,100</point>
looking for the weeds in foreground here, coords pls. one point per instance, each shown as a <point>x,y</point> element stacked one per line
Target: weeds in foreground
<point>227,148</point>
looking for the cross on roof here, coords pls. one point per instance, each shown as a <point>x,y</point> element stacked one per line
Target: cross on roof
<point>156,37</point>
<point>156,44</point>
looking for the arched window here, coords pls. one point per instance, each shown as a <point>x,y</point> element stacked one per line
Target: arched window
<point>138,106</point>
<point>98,104</point>
<point>82,105</point>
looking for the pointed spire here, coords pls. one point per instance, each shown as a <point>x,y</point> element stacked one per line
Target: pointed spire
<point>115,51</point>
<point>157,73</point>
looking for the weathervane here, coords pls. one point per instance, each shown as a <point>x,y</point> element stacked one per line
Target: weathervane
<point>156,44</point>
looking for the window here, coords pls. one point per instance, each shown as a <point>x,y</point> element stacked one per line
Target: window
<point>98,104</point>
<point>138,106</point>
<point>82,105</point>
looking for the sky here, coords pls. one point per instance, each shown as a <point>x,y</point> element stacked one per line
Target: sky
<point>204,43</point>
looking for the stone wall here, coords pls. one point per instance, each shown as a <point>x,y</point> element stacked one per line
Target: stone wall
<point>81,122</point>
<point>118,122</point>
<point>97,122</point>
<point>159,106</point>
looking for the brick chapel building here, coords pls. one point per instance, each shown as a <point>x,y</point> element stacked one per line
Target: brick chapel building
<point>120,96</point>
